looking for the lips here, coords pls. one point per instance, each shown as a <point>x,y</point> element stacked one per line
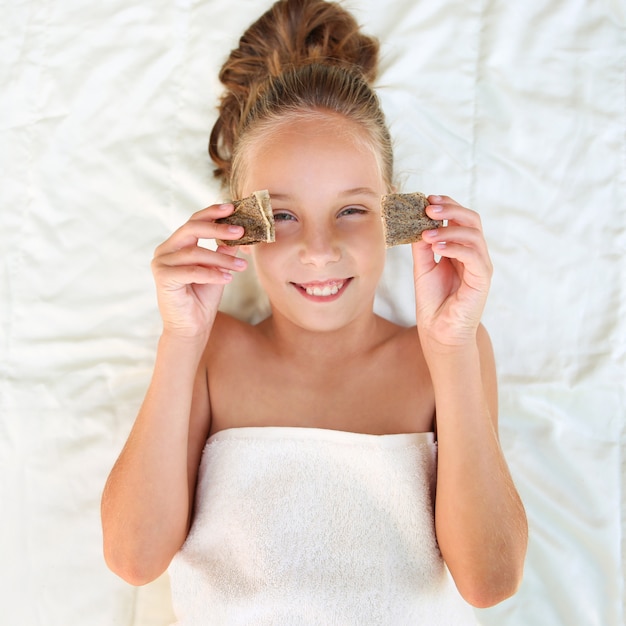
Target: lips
<point>323,289</point>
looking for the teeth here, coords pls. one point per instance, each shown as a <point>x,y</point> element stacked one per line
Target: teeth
<point>326,290</point>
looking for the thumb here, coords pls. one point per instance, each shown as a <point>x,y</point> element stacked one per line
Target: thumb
<point>423,259</point>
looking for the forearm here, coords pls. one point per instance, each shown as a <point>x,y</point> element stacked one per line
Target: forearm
<point>480,521</point>
<point>146,501</point>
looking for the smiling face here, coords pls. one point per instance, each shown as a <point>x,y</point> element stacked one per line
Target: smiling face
<point>325,185</point>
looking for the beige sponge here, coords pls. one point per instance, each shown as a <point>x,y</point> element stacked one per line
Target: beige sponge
<point>254,213</point>
<point>404,217</point>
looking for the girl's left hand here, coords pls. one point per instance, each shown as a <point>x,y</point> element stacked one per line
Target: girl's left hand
<point>451,294</point>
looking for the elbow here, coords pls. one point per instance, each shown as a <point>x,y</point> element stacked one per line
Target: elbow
<point>494,575</point>
<point>484,596</point>
<point>487,590</point>
<point>135,554</point>
<point>134,571</point>
<point>483,583</point>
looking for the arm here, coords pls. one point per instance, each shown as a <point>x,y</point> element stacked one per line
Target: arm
<point>479,518</point>
<point>148,497</point>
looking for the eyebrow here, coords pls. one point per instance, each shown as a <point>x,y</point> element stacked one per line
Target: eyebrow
<point>357,191</point>
<point>279,196</point>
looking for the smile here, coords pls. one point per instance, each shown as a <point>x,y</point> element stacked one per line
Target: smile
<point>326,289</point>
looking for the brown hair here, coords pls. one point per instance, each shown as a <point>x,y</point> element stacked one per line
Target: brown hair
<point>300,58</point>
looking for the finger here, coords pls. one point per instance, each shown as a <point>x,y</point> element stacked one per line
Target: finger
<point>229,250</point>
<point>476,266</point>
<point>172,278</point>
<point>195,229</point>
<point>214,212</point>
<point>444,208</point>
<point>466,245</point>
<point>442,200</point>
<point>222,258</point>
<point>423,258</point>
<point>463,235</point>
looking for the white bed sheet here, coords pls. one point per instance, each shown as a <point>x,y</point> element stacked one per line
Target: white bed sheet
<point>517,109</point>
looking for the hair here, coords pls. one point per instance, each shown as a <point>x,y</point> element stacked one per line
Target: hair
<point>301,58</point>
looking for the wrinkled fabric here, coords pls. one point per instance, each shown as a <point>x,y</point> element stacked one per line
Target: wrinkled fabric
<point>514,109</point>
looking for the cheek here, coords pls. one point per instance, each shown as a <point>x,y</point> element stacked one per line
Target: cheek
<point>376,251</point>
<point>266,259</point>
<point>368,237</point>
<point>376,259</point>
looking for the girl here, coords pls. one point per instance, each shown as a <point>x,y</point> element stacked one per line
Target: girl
<point>313,500</point>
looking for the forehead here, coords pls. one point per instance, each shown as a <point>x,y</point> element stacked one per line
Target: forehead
<point>320,150</point>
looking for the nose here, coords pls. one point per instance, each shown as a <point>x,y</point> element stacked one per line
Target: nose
<point>319,245</point>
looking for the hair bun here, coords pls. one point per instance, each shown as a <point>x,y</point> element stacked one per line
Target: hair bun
<point>291,33</point>
<point>297,32</point>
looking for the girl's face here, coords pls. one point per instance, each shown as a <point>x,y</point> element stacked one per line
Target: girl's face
<point>325,186</point>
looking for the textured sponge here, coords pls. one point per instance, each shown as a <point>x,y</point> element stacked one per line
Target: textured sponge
<point>404,217</point>
<point>254,213</point>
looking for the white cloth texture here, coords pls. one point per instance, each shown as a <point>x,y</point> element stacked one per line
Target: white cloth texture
<point>299,526</point>
<point>515,109</point>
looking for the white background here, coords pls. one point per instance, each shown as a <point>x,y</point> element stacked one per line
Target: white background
<point>517,109</point>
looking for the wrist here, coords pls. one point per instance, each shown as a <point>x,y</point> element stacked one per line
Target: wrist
<point>446,361</point>
<point>448,347</point>
<point>183,346</point>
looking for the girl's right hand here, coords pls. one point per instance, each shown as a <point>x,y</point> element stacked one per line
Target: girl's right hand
<point>190,279</point>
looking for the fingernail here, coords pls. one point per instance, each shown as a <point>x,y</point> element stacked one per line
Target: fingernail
<point>223,207</point>
<point>431,233</point>
<point>436,198</point>
<point>435,208</point>
<point>235,229</point>
<point>239,262</point>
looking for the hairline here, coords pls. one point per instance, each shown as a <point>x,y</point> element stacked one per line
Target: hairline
<point>358,131</point>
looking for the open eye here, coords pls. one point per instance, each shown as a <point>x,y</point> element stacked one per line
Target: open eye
<point>283,216</point>
<point>352,210</point>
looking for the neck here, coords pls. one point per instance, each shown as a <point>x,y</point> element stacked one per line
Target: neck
<point>324,347</point>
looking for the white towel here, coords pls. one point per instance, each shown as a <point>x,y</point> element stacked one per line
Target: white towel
<point>311,526</point>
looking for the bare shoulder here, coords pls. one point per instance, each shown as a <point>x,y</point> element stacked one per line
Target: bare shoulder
<point>232,342</point>
<point>406,340</point>
<point>228,333</point>
<point>406,372</point>
<point>225,323</point>
<point>232,364</point>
